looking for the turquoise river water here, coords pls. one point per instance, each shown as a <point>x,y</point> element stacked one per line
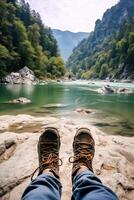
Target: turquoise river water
<point>112,113</point>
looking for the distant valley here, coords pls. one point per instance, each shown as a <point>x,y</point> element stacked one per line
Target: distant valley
<point>67,41</point>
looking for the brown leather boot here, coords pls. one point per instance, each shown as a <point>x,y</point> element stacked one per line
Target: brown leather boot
<point>83,148</point>
<point>48,152</point>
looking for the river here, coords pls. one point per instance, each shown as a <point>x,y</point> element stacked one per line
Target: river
<point>112,113</point>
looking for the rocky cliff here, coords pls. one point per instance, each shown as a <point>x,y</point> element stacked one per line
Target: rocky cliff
<point>108,51</point>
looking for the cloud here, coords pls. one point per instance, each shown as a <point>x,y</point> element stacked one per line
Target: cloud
<point>74,15</point>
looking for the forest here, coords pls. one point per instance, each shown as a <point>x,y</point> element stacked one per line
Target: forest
<point>26,41</point>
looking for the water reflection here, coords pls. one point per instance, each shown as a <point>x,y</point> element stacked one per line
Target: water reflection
<point>19,89</point>
<point>14,89</point>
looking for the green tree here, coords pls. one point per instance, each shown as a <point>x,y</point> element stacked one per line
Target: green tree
<point>104,71</point>
<point>4,60</point>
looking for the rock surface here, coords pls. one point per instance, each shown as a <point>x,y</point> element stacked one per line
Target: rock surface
<point>20,100</point>
<point>108,90</point>
<point>113,162</point>
<point>84,110</point>
<point>23,76</point>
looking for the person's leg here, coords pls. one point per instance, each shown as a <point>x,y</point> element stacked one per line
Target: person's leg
<point>47,185</point>
<point>44,187</point>
<point>87,186</point>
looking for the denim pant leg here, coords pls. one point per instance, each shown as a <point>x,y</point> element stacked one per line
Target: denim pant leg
<point>44,187</point>
<point>86,186</point>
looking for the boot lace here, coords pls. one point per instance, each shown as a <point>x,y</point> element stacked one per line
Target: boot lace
<point>49,158</point>
<point>82,154</point>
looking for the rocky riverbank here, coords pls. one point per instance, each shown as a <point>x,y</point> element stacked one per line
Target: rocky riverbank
<point>113,162</point>
<point>27,76</point>
<point>23,76</point>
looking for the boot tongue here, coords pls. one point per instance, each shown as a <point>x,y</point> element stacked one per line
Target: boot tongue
<point>84,144</point>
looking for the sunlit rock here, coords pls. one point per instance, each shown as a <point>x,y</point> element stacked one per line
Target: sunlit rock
<point>20,100</point>
<point>113,161</point>
<point>23,76</point>
<point>109,90</point>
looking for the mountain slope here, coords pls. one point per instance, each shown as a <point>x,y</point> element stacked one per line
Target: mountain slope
<point>68,40</point>
<point>25,41</point>
<point>108,51</point>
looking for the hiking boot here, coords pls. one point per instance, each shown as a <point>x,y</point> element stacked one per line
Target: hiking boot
<point>48,152</point>
<point>83,148</point>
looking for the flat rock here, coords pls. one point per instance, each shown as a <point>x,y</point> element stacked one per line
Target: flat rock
<point>113,162</point>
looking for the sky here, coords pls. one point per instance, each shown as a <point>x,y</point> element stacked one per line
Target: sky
<point>72,15</point>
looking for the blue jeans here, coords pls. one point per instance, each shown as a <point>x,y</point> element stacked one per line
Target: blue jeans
<point>86,186</point>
